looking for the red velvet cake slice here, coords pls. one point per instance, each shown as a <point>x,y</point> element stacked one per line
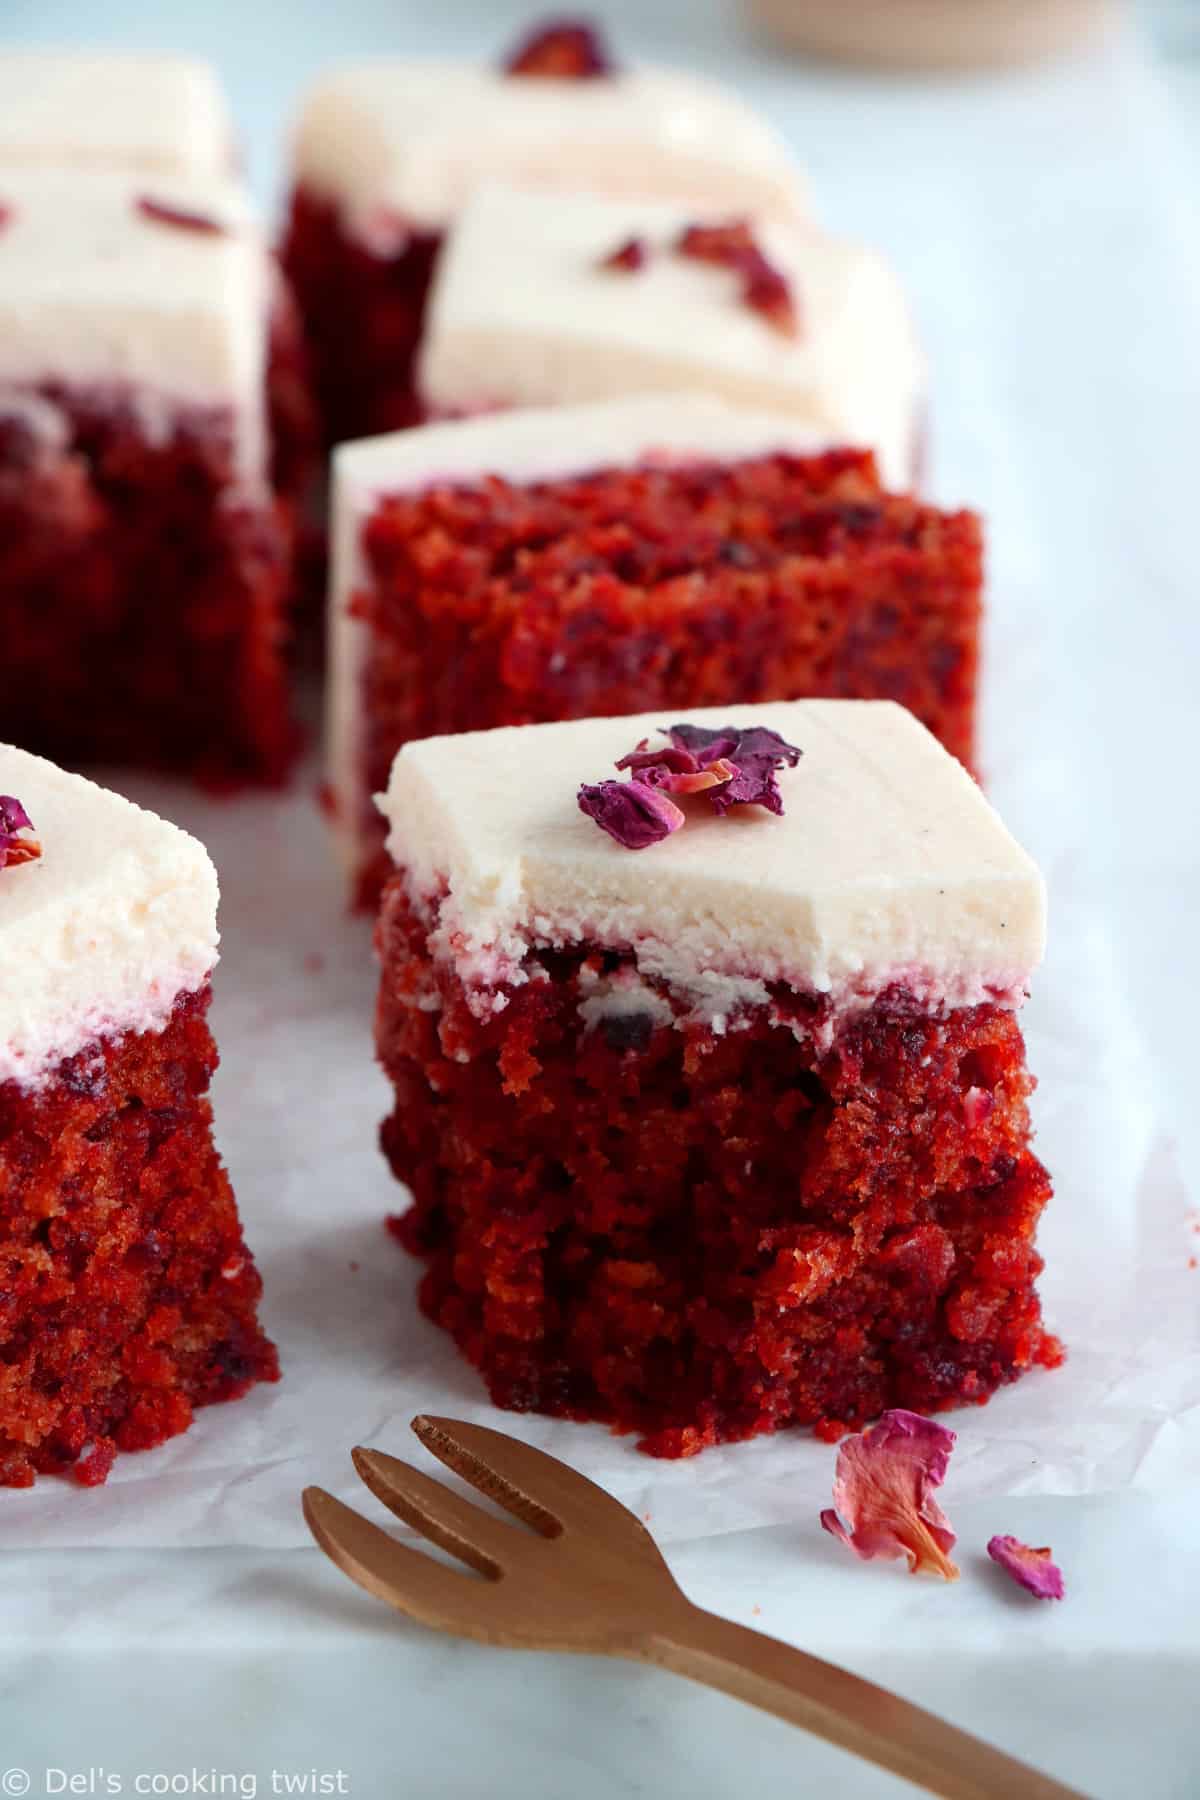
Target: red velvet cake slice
<point>387,151</point>
<point>728,1131</point>
<point>668,551</point>
<point>145,553</point>
<point>545,299</point>
<point>129,1296</point>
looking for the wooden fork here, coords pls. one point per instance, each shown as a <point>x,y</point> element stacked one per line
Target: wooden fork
<point>587,1576</point>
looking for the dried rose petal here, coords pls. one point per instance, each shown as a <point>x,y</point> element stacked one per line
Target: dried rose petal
<point>676,770</point>
<point>731,245</point>
<point>629,257</point>
<point>770,293</point>
<point>1034,1570</point>
<point>634,813</point>
<point>734,767</point>
<point>163,213</point>
<point>757,755</point>
<point>13,820</point>
<point>883,1501</point>
<point>726,243</point>
<point>569,49</point>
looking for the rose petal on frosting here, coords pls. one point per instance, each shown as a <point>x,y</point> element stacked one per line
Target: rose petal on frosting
<point>633,812</point>
<point>629,257</point>
<point>757,754</point>
<point>731,244</point>
<point>767,291</point>
<point>725,243</point>
<point>162,212</point>
<point>1034,1570</point>
<point>569,49</point>
<point>13,821</point>
<point>883,1501</point>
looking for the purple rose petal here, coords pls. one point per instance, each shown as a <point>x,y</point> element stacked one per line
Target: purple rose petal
<point>14,820</point>
<point>756,754</point>
<point>630,811</point>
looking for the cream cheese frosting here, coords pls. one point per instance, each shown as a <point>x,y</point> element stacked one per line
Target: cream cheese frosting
<point>158,115</point>
<point>412,139</point>
<point>523,313</point>
<point>96,294</point>
<point>521,447</point>
<point>887,867</point>
<point>100,934</point>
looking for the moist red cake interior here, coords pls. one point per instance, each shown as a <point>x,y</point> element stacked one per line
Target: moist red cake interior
<point>129,1295</point>
<point>363,312</point>
<point>776,578</point>
<point>146,595</point>
<point>699,1238</point>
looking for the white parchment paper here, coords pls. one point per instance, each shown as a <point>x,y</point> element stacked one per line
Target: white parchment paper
<point>1055,271</point>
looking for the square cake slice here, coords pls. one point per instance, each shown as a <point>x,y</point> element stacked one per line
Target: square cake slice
<point>727,1132</point>
<point>129,1295</point>
<point>150,114</point>
<point>543,299</point>
<point>386,153</point>
<point>668,551</point>
<point>145,554</point>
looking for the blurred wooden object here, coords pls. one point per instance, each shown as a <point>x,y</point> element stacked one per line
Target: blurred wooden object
<point>932,34</point>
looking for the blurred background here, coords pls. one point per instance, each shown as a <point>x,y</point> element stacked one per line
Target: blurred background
<point>269,48</point>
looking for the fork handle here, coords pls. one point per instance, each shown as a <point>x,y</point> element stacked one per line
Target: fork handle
<point>842,1708</point>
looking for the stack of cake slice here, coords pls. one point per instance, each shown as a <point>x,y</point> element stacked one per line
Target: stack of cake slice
<point>155,433</point>
<point>387,153</point>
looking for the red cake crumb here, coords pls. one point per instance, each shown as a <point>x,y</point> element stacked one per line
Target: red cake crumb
<point>700,1238</point>
<point>776,578</point>
<point>129,1297</point>
<point>146,597</point>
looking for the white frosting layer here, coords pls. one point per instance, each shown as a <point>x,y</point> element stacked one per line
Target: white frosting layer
<point>99,935</point>
<point>95,294</point>
<point>159,115</point>
<point>414,139</point>
<point>536,445</point>
<point>888,864</point>
<point>523,314</point>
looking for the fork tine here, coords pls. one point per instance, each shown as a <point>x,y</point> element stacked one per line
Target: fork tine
<point>455,1524</point>
<point>407,1579</point>
<point>533,1486</point>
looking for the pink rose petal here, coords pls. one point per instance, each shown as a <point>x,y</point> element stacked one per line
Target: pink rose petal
<point>1034,1570</point>
<point>883,1501</point>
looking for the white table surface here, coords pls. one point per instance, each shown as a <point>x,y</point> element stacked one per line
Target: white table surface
<point>1046,226</point>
